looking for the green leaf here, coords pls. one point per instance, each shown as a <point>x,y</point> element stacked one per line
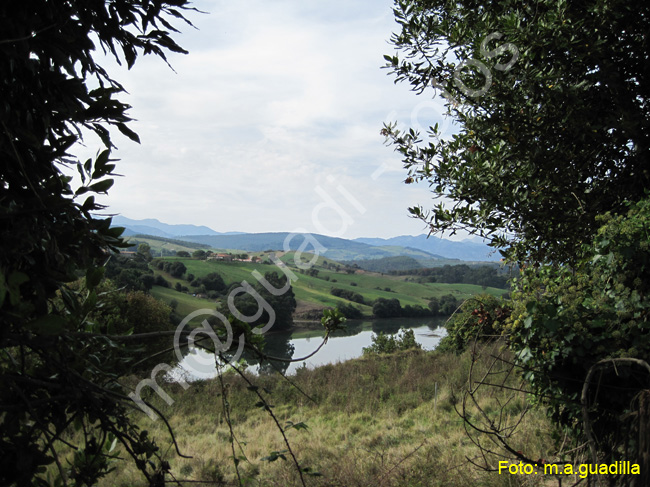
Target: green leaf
<point>275,455</point>
<point>89,204</point>
<point>128,132</point>
<point>94,276</point>
<point>298,426</point>
<point>102,186</point>
<point>69,299</point>
<point>102,166</point>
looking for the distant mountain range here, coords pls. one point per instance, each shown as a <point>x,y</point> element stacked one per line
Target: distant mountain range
<point>421,248</point>
<point>336,248</point>
<point>463,250</point>
<point>151,226</point>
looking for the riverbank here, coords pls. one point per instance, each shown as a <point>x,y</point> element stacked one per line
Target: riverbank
<point>381,420</point>
<point>342,345</point>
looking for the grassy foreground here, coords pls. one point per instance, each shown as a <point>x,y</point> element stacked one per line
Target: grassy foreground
<point>386,420</point>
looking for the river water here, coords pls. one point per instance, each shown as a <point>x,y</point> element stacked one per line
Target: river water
<point>341,346</point>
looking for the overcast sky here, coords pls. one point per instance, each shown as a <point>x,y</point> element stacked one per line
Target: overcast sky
<point>272,120</point>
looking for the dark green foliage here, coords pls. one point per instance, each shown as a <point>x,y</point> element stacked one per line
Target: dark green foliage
<point>486,276</point>
<point>160,281</point>
<point>443,306</point>
<point>566,320</point>
<point>553,134</point>
<point>283,305</point>
<point>414,311</point>
<point>387,308</point>
<point>479,318</point>
<point>144,251</point>
<point>55,372</point>
<point>182,253</point>
<point>210,282</point>
<point>347,294</point>
<point>382,343</point>
<point>132,274</point>
<point>177,269</point>
<point>125,312</point>
<point>350,311</point>
<point>557,135</point>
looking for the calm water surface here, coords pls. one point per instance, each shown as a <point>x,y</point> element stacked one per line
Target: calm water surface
<point>342,346</point>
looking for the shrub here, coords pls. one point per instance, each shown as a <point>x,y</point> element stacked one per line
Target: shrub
<point>177,269</point>
<point>161,281</point>
<point>387,308</point>
<point>480,317</point>
<point>347,294</point>
<point>349,311</point>
<point>382,343</point>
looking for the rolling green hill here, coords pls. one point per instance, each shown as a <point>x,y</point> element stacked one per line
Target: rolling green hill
<point>313,291</point>
<point>161,243</point>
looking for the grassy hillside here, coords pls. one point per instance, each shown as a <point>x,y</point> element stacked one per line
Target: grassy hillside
<point>160,243</point>
<point>383,421</point>
<point>313,291</point>
<point>186,302</point>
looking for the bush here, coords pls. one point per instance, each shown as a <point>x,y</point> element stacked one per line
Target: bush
<point>387,308</point>
<point>480,317</point>
<point>211,282</point>
<point>382,343</point>
<point>161,281</point>
<point>444,305</point>
<point>415,311</point>
<point>177,269</point>
<point>347,294</point>
<point>349,311</point>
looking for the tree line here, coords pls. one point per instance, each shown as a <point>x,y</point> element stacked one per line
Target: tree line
<point>392,308</point>
<point>486,276</point>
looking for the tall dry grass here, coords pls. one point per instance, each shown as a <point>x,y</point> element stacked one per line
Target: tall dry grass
<point>380,421</point>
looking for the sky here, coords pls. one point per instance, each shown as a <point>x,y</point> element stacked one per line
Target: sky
<point>272,123</point>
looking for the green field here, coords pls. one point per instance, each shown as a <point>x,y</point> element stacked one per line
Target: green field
<point>159,244</point>
<point>314,291</point>
<point>186,302</point>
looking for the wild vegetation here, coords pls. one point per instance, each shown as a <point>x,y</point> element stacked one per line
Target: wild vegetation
<point>58,369</point>
<point>384,419</point>
<point>561,192</point>
<point>482,275</point>
<point>549,162</point>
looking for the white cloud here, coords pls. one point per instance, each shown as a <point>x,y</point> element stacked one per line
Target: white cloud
<point>273,99</point>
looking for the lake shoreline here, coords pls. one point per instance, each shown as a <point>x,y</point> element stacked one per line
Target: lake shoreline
<point>342,345</point>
